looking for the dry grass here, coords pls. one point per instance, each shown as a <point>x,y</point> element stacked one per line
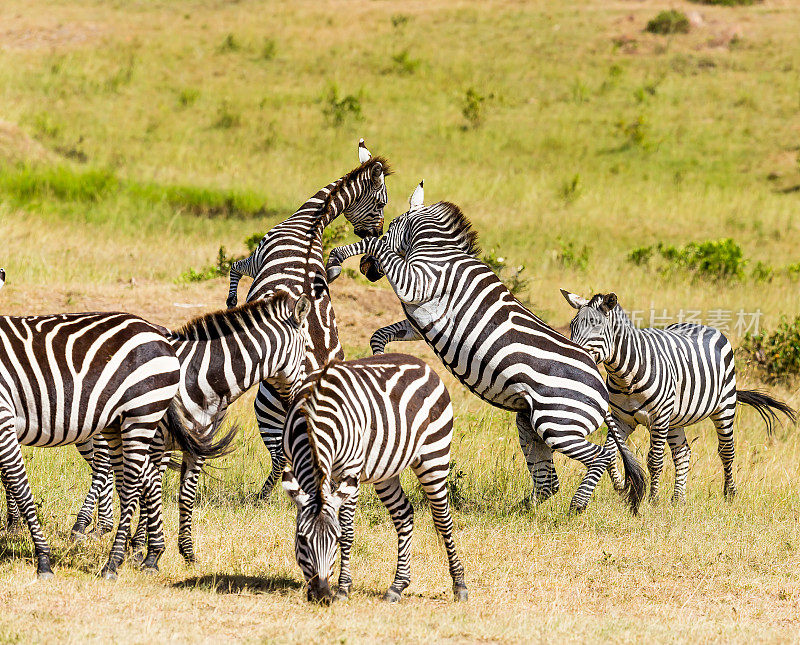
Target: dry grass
<point>561,84</point>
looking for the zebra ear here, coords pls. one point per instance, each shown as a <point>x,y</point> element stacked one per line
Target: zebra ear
<point>301,309</point>
<point>346,490</point>
<point>609,302</point>
<point>575,301</point>
<point>417,199</point>
<point>363,154</point>
<point>376,172</point>
<point>292,488</point>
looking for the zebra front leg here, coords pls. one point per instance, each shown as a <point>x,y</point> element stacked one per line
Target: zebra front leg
<point>233,295</point>
<point>655,455</point>
<point>190,473</point>
<point>394,498</point>
<point>723,422</point>
<point>15,478</point>
<point>270,415</point>
<point>333,267</point>
<point>399,331</point>
<point>434,485</point>
<point>539,459</point>
<point>346,514</point>
<point>95,452</point>
<point>144,550</point>
<point>682,457</point>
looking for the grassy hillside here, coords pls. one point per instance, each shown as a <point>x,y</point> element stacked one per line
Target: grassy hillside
<point>136,138</point>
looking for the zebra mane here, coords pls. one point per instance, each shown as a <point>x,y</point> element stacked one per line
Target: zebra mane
<point>450,218</point>
<point>309,401</point>
<point>219,324</point>
<point>315,230</point>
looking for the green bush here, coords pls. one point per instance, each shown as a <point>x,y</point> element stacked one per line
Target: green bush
<point>511,277</point>
<point>25,184</point>
<point>669,22</point>
<point>777,355</point>
<point>715,259</point>
<point>472,108</point>
<point>221,268</point>
<point>570,257</point>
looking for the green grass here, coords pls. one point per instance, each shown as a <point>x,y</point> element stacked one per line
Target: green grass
<point>131,152</point>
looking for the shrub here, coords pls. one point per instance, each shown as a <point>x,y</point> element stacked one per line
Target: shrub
<point>188,96</point>
<point>333,236</point>
<point>230,44</point>
<point>400,20</point>
<point>402,63</point>
<point>338,109</point>
<point>269,49</point>
<point>226,117</point>
<point>568,256</point>
<point>635,133</point>
<point>669,22</point>
<point>456,481</point>
<point>777,355</point>
<point>571,189</point>
<point>512,278</point>
<point>221,268</point>
<point>472,108</point>
<point>715,259</point>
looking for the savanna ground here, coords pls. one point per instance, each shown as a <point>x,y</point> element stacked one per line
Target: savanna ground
<point>136,138</point>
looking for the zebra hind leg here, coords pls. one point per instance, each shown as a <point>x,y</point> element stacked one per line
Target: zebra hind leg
<point>434,485</point>
<point>346,513</point>
<point>190,473</point>
<point>15,478</point>
<point>682,457</point>
<point>14,524</point>
<point>271,415</point>
<point>394,499</point>
<point>723,422</point>
<point>539,459</point>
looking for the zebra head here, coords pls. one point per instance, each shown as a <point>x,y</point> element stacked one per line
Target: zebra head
<point>317,533</point>
<point>595,324</point>
<point>365,212</point>
<point>288,372</point>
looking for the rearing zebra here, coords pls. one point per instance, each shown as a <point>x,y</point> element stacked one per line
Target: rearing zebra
<point>289,256</point>
<point>366,421</point>
<point>667,379</point>
<point>495,346</point>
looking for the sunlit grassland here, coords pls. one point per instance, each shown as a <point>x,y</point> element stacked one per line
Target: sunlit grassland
<point>138,138</point>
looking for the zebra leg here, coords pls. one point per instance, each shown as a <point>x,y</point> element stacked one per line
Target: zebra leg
<point>394,499</point>
<point>539,458</point>
<point>15,478</point>
<point>144,550</point>
<point>270,414</point>
<point>95,452</point>
<point>723,422</point>
<point>190,473</point>
<point>233,289</point>
<point>655,456</point>
<point>129,450</point>
<point>13,518</point>
<point>346,514</point>
<point>434,484</point>
<point>399,331</point>
<point>682,457</point>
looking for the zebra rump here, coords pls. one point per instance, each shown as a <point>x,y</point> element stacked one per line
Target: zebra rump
<point>766,405</point>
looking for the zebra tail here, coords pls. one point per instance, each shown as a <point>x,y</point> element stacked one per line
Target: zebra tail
<point>635,484</point>
<point>766,406</point>
<point>197,442</point>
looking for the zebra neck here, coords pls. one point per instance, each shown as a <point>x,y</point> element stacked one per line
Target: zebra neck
<point>626,359</point>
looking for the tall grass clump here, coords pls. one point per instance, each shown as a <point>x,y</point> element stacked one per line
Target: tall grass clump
<point>776,354</point>
<point>472,108</point>
<point>668,22</point>
<point>715,259</point>
<point>339,109</point>
<point>25,184</point>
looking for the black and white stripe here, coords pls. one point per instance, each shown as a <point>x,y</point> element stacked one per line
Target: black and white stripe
<point>365,421</point>
<point>666,379</point>
<point>65,378</point>
<point>495,346</point>
<point>290,256</point>
<point>221,356</point>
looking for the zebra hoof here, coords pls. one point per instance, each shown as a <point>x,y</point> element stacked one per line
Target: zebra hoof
<point>333,273</point>
<point>45,575</point>
<point>679,500</point>
<point>109,575</point>
<point>391,596</point>
<point>190,558</point>
<point>231,303</point>
<point>342,594</point>
<point>150,570</point>
<point>137,557</point>
<point>577,509</point>
<point>460,593</point>
<point>78,536</point>
<point>43,570</point>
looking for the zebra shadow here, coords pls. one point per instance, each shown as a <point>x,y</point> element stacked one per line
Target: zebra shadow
<point>223,583</point>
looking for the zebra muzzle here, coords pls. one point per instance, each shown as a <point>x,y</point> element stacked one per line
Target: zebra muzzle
<point>370,268</point>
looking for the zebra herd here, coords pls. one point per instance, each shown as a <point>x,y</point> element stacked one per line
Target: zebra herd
<point>129,393</point>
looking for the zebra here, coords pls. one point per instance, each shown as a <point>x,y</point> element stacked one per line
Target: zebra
<point>221,356</point>
<point>667,379</point>
<point>290,255</point>
<point>491,343</point>
<point>365,421</point>
<point>67,377</point>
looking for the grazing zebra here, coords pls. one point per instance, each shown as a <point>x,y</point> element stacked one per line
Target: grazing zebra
<point>667,379</point>
<point>221,356</point>
<point>366,421</point>
<point>493,345</point>
<point>290,256</point>
<point>65,378</point>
